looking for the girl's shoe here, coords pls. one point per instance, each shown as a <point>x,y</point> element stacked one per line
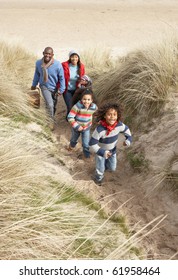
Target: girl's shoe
<point>97,182</point>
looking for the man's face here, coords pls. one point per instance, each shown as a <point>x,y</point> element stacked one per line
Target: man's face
<point>48,54</point>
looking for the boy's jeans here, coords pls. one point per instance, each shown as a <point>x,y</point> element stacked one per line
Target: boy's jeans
<point>85,134</point>
<point>103,164</point>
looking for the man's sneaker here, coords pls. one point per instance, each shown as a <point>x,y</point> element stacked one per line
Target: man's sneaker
<point>70,149</point>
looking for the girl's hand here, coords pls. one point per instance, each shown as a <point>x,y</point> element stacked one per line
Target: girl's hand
<point>107,154</point>
<point>80,128</point>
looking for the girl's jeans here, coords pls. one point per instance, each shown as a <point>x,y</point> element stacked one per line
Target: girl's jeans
<point>50,100</point>
<point>85,134</point>
<point>68,99</point>
<point>103,164</point>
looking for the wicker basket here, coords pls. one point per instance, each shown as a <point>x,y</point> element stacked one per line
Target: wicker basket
<point>34,98</point>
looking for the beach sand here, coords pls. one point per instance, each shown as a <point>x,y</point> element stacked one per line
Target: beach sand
<point>119,25</point>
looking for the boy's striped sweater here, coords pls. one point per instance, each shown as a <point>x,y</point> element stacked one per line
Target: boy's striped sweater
<point>80,116</point>
<point>100,142</point>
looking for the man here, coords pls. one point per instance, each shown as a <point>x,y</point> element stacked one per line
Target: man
<point>49,75</point>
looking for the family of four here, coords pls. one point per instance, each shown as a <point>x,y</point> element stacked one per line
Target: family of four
<point>69,79</point>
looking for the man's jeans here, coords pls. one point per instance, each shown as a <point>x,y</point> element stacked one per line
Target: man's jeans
<point>50,99</point>
<point>68,99</point>
<point>103,164</point>
<point>85,134</point>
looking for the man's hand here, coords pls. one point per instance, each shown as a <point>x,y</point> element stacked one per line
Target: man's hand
<point>59,93</point>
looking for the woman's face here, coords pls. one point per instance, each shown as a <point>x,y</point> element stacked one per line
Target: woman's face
<point>74,59</point>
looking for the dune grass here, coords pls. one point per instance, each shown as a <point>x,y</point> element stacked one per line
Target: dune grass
<point>142,81</point>
<point>17,69</point>
<point>97,61</point>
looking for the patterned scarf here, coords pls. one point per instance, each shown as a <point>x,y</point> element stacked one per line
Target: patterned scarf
<point>108,127</point>
<point>44,67</point>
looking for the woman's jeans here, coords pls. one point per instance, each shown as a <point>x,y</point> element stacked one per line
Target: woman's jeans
<point>50,99</point>
<point>103,164</point>
<point>85,134</point>
<point>68,99</point>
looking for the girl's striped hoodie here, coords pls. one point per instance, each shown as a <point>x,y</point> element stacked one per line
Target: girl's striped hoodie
<point>80,116</point>
<point>101,142</point>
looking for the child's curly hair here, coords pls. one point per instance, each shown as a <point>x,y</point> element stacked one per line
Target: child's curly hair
<point>100,113</point>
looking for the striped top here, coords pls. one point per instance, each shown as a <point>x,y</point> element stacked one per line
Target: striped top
<point>100,142</point>
<point>80,116</point>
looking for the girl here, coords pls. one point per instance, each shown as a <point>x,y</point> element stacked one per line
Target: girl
<point>73,71</point>
<point>104,139</point>
<point>80,118</point>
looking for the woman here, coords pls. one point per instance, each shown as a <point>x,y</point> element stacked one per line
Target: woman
<point>73,71</point>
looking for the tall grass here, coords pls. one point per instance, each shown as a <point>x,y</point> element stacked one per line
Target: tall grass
<point>142,81</point>
<point>97,61</point>
<point>16,73</point>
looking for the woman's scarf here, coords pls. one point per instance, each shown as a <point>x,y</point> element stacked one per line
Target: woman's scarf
<point>107,126</point>
<point>44,67</point>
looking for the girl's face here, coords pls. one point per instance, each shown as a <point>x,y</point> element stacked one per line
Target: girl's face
<point>74,59</point>
<point>111,116</point>
<point>87,100</point>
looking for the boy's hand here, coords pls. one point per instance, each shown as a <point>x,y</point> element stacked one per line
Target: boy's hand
<point>107,154</point>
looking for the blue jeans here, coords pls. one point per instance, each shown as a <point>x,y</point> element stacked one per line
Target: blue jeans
<point>68,99</point>
<point>103,164</point>
<point>50,100</point>
<point>85,134</point>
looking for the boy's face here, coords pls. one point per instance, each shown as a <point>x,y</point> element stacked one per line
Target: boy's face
<point>111,116</point>
<point>74,59</point>
<point>87,100</point>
